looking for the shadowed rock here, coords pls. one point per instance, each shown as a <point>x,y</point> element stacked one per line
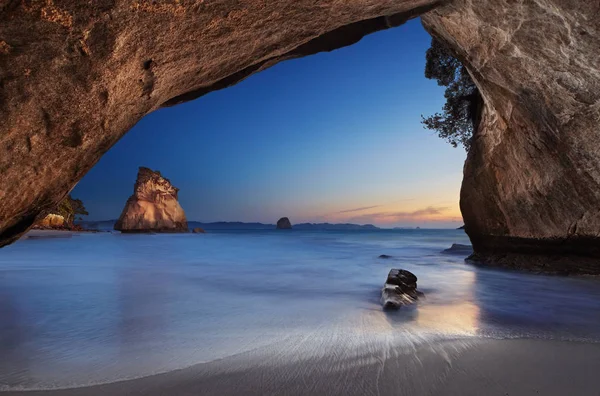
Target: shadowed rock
<point>153,207</point>
<point>198,230</point>
<point>458,248</point>
<point>284,224</point>
<point>400,289</point>
<point>384,256</point>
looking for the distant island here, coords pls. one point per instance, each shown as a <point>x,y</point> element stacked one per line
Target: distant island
<point>238,225</point>
<point>329,226</point>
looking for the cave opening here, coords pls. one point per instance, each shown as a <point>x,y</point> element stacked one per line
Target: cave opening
<point>334,137</point>
<point>531,177</point>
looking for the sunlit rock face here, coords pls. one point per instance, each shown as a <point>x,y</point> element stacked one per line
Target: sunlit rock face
<point>153,207</point>
<point>531,191</point>
<point>52,221</point>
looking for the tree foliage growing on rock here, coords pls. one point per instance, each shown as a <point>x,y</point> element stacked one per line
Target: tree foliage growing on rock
<point>460,114</point>
<point>69,208</point>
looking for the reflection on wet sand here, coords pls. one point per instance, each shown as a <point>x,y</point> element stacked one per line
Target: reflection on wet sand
<point>452,319</point>
<point>459,317</point>
<point>434,314</point>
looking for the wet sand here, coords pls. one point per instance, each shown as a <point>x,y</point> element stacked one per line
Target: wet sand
<point>461,367</point>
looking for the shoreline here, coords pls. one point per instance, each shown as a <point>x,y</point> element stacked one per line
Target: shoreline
<point>458,367</point>
<point>55,233</point>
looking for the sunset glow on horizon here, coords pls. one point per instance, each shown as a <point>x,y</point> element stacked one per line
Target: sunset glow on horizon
<point>334,137</point>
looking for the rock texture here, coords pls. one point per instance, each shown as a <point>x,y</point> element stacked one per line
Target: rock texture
<point>531,190</point>
<point>198,230</point>
<point>52,221</point>
<point>82,74</point>
<point>153,207</point>
<point>400,289</point>
<point>284,224</point>
<point>459,249</point>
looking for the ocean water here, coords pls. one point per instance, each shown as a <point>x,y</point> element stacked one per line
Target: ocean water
<point>104,307</point>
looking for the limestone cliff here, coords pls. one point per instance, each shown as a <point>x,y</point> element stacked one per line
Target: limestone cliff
<point>81,75</point>
<point>153,207</point>
<point>52,221</point>
<point>530,196</point>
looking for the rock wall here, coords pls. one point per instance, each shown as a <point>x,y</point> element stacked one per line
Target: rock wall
<point>153,207</point>
<point>83,73</point>
<point>531,190</point>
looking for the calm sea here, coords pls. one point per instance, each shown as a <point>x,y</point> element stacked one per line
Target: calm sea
<point>104,307</point>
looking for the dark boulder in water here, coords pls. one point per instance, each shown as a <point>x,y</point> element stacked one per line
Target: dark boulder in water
<point>400,289</point>
<point>458,248</point>
<point>384,256</point>
<point>198,230</point>
<point>284,224</point>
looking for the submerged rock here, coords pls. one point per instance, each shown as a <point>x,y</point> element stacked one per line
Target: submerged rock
<point>198,230</point>
<point>284,224</point>
<point>400,289</point>
<point>384,256</point>
<point>458,248</point>
<point>153,207</point>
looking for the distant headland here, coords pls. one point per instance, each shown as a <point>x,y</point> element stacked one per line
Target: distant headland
<point>238,225</point>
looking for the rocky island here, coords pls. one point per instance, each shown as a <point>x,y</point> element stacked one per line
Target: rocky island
<point>284,224</point>
<point>153,207</point>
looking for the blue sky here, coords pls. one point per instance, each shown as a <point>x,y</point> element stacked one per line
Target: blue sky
<point>331,137</point>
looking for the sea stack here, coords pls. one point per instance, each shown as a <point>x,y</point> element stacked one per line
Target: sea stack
<point>153,207</point>
<point>284,224</point>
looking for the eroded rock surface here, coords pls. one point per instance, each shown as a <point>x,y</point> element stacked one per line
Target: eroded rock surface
<point>76,76</point>
<point>284,224</point>
<point>153,207</point>
<point>52,221</point>
<point>531,188</point>
<point>400,289</point>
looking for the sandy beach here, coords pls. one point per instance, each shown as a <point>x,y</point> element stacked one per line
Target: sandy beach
<point>162,314</point>
<point>461,367</point>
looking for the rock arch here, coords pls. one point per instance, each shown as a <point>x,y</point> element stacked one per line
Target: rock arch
<point>74,78</point>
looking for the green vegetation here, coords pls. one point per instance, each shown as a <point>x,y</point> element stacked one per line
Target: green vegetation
<point>461,112</point>
<point>70,208</point>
